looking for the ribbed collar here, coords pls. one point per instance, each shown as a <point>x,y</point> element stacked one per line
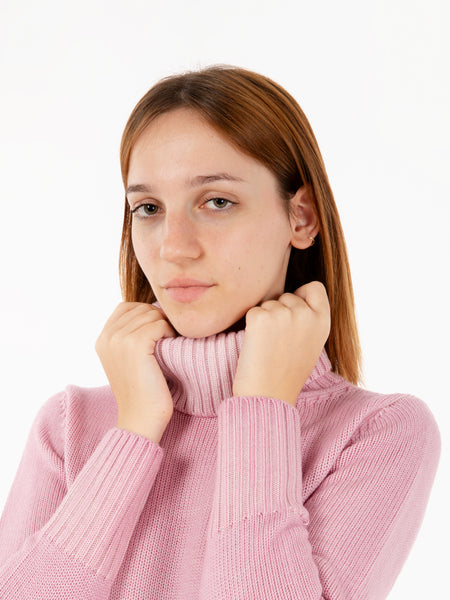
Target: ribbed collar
<point>200,371</point>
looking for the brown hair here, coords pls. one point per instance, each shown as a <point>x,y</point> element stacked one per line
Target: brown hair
<point>263,120</point>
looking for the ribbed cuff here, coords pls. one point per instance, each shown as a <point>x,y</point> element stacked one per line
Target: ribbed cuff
<point>99,513</point>
<point>259,466</point>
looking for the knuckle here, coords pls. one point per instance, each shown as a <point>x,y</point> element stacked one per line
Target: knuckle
<point>255,313</point>
<point>114,339</point>
<point>318,286</point>
<point>286,296</point>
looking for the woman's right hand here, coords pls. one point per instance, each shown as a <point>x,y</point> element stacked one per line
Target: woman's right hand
<point>125,348</point>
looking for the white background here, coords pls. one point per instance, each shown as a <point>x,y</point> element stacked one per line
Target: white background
<point>373,79</point>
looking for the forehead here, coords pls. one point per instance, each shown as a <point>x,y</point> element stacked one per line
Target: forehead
<point>183,140</point>
<point>179,126</point>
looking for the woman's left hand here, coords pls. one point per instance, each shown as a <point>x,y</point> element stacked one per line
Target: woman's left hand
<point>282,343</point>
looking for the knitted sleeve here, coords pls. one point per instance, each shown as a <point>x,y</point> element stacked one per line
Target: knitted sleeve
<point>349,538</point>
<point>69,542</point>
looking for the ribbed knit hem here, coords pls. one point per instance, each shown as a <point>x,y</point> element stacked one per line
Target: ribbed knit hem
<point>259,469</point>
<point>43,573</point>
<point>266,557</point>
<point>97,517</point>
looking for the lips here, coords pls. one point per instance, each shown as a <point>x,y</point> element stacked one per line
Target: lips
<point>186,282</point>
<point>186,289</point>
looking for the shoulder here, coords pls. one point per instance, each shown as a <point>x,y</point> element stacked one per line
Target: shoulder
<point>403,420</point>
<point>76,417</point>
<point>349,413</point>
<point>398,421</point>
<point>78,403</point>
<point>89,404</point>
<point>397,444</point>
<point>396,411</point>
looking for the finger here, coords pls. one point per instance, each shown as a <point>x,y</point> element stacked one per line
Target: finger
<point>148,334</point>
<point>314,294</point>
<point>118,313</point>
<point>143,321</point>
<point>126,307</point>
<point>125,315</point>
<point>291,300</point>
<point>269,305</point>
<point>286,300</point>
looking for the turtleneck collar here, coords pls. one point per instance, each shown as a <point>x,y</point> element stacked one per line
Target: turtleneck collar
<point>200,371</point>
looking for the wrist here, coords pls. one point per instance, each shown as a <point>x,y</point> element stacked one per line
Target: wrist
<point>152,429</point>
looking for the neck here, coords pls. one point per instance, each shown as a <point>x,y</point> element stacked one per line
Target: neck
<point>200,371</point>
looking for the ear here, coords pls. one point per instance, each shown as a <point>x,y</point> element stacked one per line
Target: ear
<point>303,218</point>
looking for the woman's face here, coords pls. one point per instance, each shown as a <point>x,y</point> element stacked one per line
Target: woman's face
<point>210,230</point>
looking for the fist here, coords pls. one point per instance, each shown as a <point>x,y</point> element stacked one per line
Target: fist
<point>125,348</point>
<point>282,342</point>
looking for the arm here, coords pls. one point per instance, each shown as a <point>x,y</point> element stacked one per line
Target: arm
<point>349,539</point>
<point>384,478</point>
<point>56,542</point>
<point>59,542</point>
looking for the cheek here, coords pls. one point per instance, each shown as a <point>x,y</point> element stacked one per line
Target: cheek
<point>142,249</point>
<point>257,265</point>
<point>265,251</point>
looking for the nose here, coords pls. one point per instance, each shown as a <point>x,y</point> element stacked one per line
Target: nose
<point>180,240</point>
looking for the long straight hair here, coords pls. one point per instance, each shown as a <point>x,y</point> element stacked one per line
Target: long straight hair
<point>263,120</point>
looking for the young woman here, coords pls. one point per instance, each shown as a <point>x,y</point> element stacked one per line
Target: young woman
<point>233,454</point>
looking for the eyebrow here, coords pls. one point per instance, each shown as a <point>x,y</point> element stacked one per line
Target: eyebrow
<point>194,182</point>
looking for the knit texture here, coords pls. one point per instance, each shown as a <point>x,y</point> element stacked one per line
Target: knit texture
<point>243,498</point>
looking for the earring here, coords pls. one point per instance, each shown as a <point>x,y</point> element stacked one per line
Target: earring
<point>312,241</point>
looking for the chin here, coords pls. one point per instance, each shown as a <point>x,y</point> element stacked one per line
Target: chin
<point>191,331</point>
<point>202,330</point>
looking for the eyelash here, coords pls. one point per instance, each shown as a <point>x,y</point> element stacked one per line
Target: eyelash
<point>146,204</point>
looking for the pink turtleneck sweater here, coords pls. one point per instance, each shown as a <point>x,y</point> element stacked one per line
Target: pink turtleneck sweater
<point>243,498</point>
